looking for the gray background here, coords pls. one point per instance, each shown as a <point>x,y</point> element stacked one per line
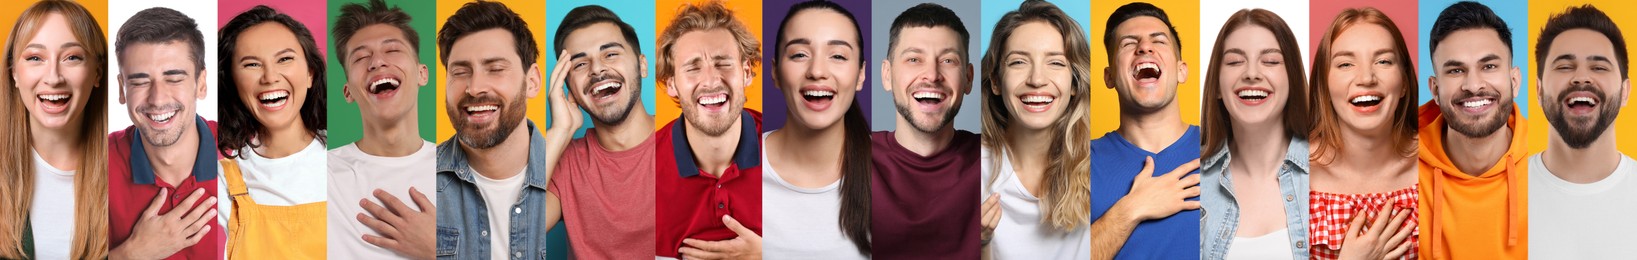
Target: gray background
<point>883,113</point>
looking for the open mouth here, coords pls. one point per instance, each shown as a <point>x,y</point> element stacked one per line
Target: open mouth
<point>1476,104</point>
<point>606,89</point>
<point>54,103</point>
<point>273,100</point>
<point>1147,72</point>
<point>383,85</point>
<point>928,98</point>
<point>817,98</point>
<point>712,102</point>
<point>482,113</point>
<point>1252,95</point>
<point>1581,103</point>
<point>1036,102</point>
<point>1365,103</point>
<point>162,118</point>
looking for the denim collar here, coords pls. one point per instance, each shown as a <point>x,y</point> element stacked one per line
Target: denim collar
<point>1296,154</point>
<point>453,160</point>
<point>747,154</point>
<point>204,164</point>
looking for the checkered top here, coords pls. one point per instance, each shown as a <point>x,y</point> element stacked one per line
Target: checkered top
<point>1331,213</point>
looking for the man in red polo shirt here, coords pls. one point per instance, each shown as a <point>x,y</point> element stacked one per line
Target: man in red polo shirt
<point>708,185</point>
<point>162,171</point>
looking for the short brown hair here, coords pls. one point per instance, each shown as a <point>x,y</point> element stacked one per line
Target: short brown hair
<point>706,16</point>
<point>356,16</point>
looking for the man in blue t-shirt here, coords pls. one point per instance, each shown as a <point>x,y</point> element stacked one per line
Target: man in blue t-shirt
<point>1135,213</point>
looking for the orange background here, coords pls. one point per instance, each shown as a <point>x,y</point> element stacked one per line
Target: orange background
<point>1625,125</point>
<point>748,12</point>
<point>532,12</point>
<point>11,9</point>
<point>1105,102</point>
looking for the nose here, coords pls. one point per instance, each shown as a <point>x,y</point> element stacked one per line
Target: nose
<point>1145,48</point>
<point>376,62</point>
<point>477,85</point>
<point>1581,77</point>
<point>1367,76</point>
<point>598,67</point>
<point>53,76</point>
<point>269,77</point>
<point>1035,78</point>
<point>817,70</point>
<point>1473,83</point>
<point>1253,73</point>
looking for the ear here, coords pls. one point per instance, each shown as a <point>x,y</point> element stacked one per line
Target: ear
<point>1108,77</point>
<point>886,75</point>
<point>670,89</point>
<point>1182,72</point>
<point>424,74</point>
<point>642,65</point>
<point>966,87</point>
<point>531,81</point>
<point>1432,85</point>
<point>1538,91</point>
<point>1517,80</point>
<point>346,93</point>
<point>1625,92</point>
<point>204,88</point>
<point>863,71</point>
<point>121,79</point>
<point>750,73</point>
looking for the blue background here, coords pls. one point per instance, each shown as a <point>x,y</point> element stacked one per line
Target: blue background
<point>1516,15</point>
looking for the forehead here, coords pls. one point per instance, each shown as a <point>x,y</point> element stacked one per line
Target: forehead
<point>820,24</point>
<point>1035,35</point>
<point>165,55</point>
<point>705,42</point>
<point>55,23</point>
<point>593,36</point>
<point>484,44</point>
<point>1480,41</point>
<point>266,34</point>
<point>376,33</point>
<point>1249,35</point>
<point>1142,26</point>
<point>1362,36</point>
<point>1582,43</point>
<point>932,39</point>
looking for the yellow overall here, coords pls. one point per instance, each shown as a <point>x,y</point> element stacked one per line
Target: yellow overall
<point>271,232</point>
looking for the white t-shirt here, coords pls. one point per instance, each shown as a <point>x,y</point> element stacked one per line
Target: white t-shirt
<point>354,176</point>
<point>1022,232</point>
<point>501,197</point>
<point>1271,246</point>
<point>802,223</point>
<point>289,181</point>
<point>1582,221</point>
<point>52,212</point>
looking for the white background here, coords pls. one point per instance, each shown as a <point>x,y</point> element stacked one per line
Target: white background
<point>1213,13</point>
<point>202,12</point>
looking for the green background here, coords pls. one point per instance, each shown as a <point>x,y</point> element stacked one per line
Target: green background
<point>346,126</point>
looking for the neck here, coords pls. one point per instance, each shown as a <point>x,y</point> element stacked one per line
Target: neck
<point>809,148</point>
<point>504,160</point>
<point>1260,148</point>
<point>174,163</point>
<point>714,153</point>
<point>1153,131</point>
<point>625,135</point>
<point>284,141</point>
<point>1369,155</point>
<point>1476,154</point>
<point>1587,165</point>
<point>397,137</point>
<point>923,143</point>
<point>1028,149</point>
<point>58,148</point>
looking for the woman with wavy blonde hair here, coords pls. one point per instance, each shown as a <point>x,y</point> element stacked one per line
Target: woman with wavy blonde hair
<point>54,201</point>
<point>1036,79</point>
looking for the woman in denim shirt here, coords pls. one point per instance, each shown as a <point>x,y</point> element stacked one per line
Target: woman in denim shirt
<point>1255,112</point>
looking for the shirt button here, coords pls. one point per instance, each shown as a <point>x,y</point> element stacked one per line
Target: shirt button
<point>718,185</point>
<point>483,233</point>
<point>1301,244</point>
<point>721,205</point>
<point>517,210</point>
<point>1290,197</point>
<point>517,255</point>
<point>1224,234</point>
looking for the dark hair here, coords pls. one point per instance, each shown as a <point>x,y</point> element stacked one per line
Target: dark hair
<point>584,16</point>
<point>1066,201</point>
<point>1469,15</point>
<point>929,15</point>
<point>483,15</point>
<point>1326,134</point>
<point>1134,10</point>
<point>237,125</point>
<point>356,16</point>
<point>855,147</point>
<point>1580,17</point>
<point>162,25</point>
<point>1217,128</point>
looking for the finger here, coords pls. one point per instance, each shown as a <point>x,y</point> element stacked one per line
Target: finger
<point>1403,248</point>
<point>1147,167</point>
<point>1403,230</point>
<point>1189,181</point>
<point>379,226</point>
<point>198,212</point>
<point>381,241</point>
<point>713,246</point>
<point>560,73</point>
<point>158,201</point>
<point>194,239</point>
<point>1190,205</point>
<point>1354,224</point>
<point>695,253</point>
<point>1378,224</point>
<point>187,202</point>
<point>379,212</point>
<point>1397,223</point>
<point>392,202</point>
<point>1183,170</point>
<point>1190,192</point>
<point>203,220</point>
<point>992,220</point>
<point>733,224</point>
<point>421,201</point>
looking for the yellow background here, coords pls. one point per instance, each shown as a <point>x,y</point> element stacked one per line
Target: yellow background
<point>533,13</point>
<point>1625,126</point>
<point>1105,103</point>
<point>748,12</point>
<point>10,10</point>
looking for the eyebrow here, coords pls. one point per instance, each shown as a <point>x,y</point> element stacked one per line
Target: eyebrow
<point>175,72</point>
<point>64,46</point>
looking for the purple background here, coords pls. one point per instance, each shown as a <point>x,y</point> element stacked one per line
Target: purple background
<point>773,104</point>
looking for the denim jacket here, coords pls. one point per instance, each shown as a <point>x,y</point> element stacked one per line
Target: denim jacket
<point>463,220</point>
<point>1220,219</point>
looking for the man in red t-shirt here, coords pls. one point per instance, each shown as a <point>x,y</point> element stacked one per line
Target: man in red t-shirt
<point>603,182</point>
<point>162,170</point>
<point>708,178</point>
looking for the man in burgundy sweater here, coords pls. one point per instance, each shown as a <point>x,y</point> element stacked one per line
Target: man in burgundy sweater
<point>926,172</point>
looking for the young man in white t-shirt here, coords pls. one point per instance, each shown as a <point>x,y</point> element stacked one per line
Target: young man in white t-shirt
<point>391,166</point>
<point>1583,191</point>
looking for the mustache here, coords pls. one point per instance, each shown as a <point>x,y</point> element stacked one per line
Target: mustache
<point>480,99</point>
<point>1487,93</point>
<point>1587,87</point>
<point>158,108</point>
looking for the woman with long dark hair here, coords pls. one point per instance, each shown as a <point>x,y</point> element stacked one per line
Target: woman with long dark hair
<point>53,167</point>
<point>272,132</point>
<point>815,175</point>
<point>1036,136</point>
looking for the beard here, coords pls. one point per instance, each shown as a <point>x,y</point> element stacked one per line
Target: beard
<point>1477,127</point>
<point>164,137</point>
<point>510,116</point>
<point>613,114</point>
<point>1580,137</point>
<point>928,125</point>
<point>712,125</point>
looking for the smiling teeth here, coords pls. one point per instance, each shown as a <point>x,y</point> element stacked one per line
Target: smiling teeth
<point>929,95</point>
<point>713,100</point>
<point>1362,99</point>
<point>54,97</point>
<point>1148,66</point>
<point>606,86</point>
<point>1252,93</point>
<point>1475,104</point>
<point>162,117</point>
<point>274,95</point>
<point>373,85</point>
<point>482,108</point>
<point>1038,99</point>
<point>1588,100</point>
<point>818,93</point>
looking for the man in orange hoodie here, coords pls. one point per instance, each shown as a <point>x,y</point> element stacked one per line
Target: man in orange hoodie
<point>1585,190</point>
<point>1472,149</point>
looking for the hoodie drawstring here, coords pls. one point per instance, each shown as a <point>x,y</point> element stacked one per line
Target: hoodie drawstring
<point>1437,199</point>
<point>1512,209</point>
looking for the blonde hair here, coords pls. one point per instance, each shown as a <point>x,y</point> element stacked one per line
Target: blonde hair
<point>90,237</point>
<point>711,15</point>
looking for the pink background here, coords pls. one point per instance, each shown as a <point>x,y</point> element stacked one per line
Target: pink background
<point>309,12</point>
<point>1403,13</point>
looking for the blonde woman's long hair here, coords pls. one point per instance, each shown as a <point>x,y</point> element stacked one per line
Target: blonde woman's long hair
<point>1067,200</point>
<point>90,237</point>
